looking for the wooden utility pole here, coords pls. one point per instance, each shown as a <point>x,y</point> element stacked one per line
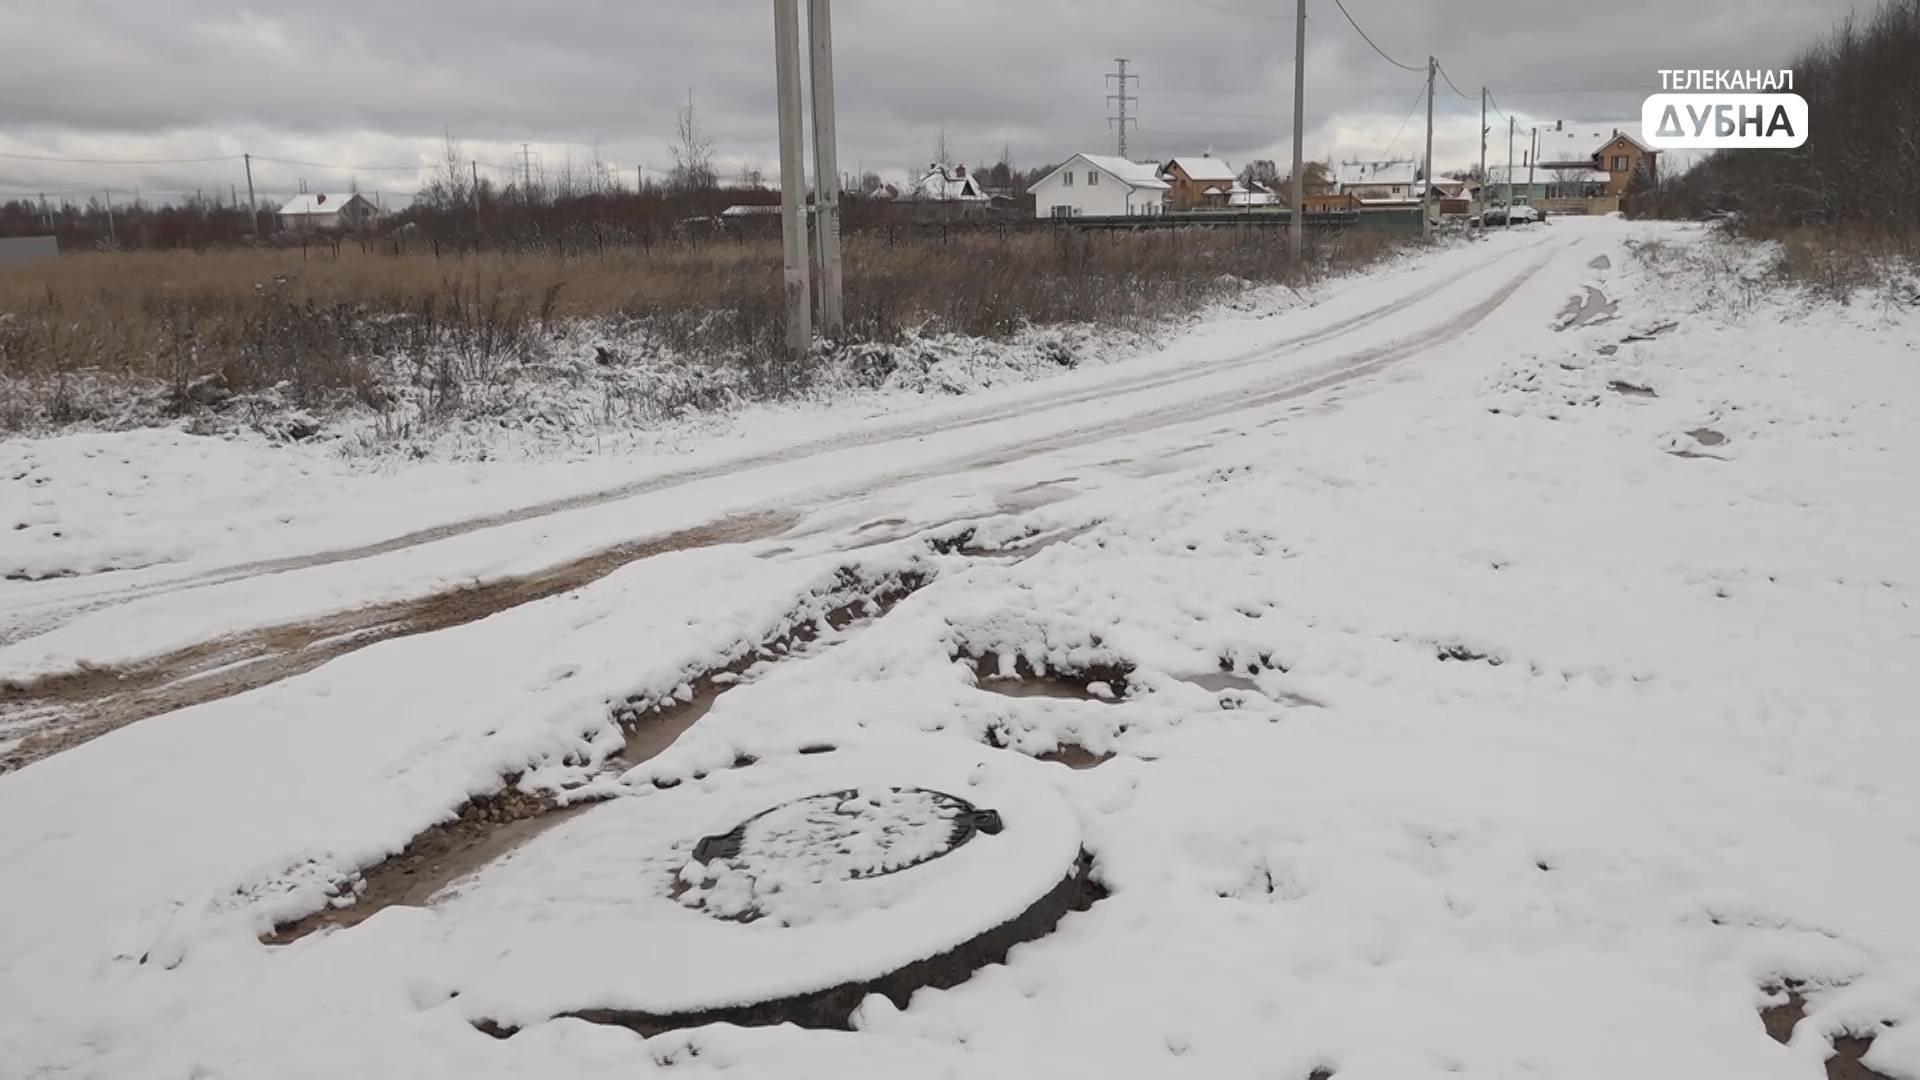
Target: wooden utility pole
<point>108,192</point>
<point>1426,190</point>
<point>476,201</point>
<point>1296,232</point>
<point>826,168</point>
<point>793,178</point>
<point>253,208</point>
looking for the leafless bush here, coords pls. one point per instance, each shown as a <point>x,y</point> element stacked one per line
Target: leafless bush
<point>1857,168</point>
<point>321,333</point>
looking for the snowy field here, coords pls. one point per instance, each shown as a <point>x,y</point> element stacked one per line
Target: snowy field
<point>1503,666</point>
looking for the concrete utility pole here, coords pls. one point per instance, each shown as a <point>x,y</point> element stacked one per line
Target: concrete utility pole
<point>1483,146</point>
<point>253,208</point>
<point>108,192</point>
<point>1426,190</point>
<point>1296,232</point>
<point>826,167</point>
<point>1507,222</point>
<point>1121,99</point>
<point>1533,159</point>
<point>793,178</point>
<point>476,198</point>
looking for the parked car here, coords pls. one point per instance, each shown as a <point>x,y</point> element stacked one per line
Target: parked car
<point>1522,215</point>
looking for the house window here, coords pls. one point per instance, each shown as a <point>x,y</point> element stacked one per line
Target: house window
<point>1619,163</point>
<point>1093,178</point>
<point>1062,211</point>
<point>1066,178</point>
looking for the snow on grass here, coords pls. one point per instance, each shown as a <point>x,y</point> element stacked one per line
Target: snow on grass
<point>1559,748</point>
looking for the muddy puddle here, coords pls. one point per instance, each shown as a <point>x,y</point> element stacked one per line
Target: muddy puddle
<point>1074,756</point>
<point>1228,682</point>
<point>79,706</point>
<point>833,1008</point>
<point>1102,682</point>
<point>492,826</point>
<point>1848,1050</point>
<point>1588,309</point>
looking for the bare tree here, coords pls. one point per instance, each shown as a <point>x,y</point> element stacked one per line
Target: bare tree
<point>692,153</point>
<point>450,182</point>
<point>870,183</point>
<point>751,177</point>
<point>1263,171</point>
<point>942,150</point>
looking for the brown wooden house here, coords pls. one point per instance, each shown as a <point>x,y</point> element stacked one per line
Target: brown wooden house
<point>1198,183</point>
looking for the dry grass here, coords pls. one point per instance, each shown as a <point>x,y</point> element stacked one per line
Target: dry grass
<point>314,324</point>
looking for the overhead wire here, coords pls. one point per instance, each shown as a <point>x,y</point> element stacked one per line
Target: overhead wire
<point>1370,41</point>
<point>117,161</point>
<point>1417,98</point>
<point>1443,74</point>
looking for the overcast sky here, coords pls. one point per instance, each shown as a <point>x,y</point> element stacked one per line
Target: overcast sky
<point>376,83</point>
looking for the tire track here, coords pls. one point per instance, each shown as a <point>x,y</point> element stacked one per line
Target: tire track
<point>1062,399</point>
<point>74,707</point>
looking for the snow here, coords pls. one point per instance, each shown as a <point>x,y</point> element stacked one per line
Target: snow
<point>1568,719</point>
<point>1205,169</point>
<point>522,951</point>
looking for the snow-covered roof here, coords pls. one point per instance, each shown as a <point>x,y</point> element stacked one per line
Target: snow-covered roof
<point>948,182</point>
<point>1374,172</point>
<point>318,203</point>
<point>1549,174</point>
<point>1579,144</point>
<point>1132,173</point>
<point>1203,169</point>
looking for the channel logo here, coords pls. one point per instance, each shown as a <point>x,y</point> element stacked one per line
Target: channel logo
<point>1720,110</point>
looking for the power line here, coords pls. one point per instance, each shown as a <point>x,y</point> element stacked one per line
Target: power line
<point>1417,98</point>
<point>343,168</point>
<point>1443,74</point>
<point>1363,37</point>
<point>119,161</point>
<point>1242,12</point>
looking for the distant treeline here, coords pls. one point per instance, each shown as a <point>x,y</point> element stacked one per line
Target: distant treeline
<point>459,216</point>
<point>1860,166</point>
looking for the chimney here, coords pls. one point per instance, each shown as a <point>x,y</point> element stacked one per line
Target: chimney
<point>1559,125</point>
<point>960,171</point>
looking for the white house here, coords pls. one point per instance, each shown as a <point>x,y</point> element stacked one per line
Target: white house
<point>1259,194</point>
<point>1375,179</point>
<point>1097,185</point>
<point>946,183</point>
<point>328,212</point>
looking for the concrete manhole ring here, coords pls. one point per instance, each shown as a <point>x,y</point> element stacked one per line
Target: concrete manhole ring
<point>788,892</point>
<point>853,834</point>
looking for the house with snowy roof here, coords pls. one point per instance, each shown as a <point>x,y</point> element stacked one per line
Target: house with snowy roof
<point>328,211</point>
<point>1252,196</point>
<point>1098,185</point>
<point>1376,181</point>
<point>941,182</point>
<point>1198,183</point>
<point>1596,150</point>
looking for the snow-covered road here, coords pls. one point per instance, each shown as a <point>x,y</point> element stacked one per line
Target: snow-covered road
<point>1442,680</point>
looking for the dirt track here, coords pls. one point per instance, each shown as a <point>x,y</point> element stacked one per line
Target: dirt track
<point>68,709</point>
<point>91,702</point>
<point>1059,399</point>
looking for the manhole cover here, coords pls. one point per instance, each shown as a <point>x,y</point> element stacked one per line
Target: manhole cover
<point>813,844</point>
